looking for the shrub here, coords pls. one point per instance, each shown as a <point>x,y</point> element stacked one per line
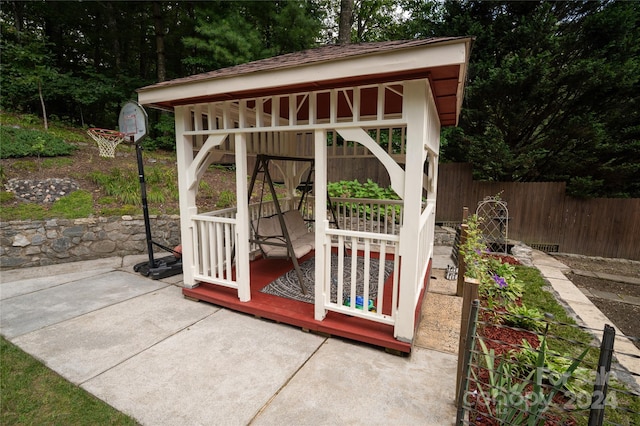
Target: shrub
<point>369,190</point>
<point>226,199</point>
<point>17,143</point>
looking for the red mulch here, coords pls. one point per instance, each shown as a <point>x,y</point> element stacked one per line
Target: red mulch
<point>505,258</point>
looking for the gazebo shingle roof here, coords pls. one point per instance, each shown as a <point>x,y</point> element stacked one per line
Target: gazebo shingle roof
<point>306,57</point>
<point>313,69</point>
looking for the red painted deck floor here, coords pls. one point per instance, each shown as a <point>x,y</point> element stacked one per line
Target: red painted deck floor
<point>292,312</point>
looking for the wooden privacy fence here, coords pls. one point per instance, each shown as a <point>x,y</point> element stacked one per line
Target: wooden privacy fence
<point>543,216</point>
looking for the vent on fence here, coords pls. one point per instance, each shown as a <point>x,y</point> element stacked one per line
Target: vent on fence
<point>495,226</point>
<point>453,225</point>
<point>547,248</point>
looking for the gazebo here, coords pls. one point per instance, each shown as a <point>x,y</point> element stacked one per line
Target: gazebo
<point>383,100</point>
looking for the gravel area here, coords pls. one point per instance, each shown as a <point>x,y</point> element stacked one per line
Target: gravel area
<point>605,285</point>
<point>628,268</point>
<point>625,316</point>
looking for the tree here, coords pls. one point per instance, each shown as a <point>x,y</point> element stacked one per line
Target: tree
<point>25,68</point>
<point>370,20</point>
<point>231,33</point>
<point>552,93</point>
<point>345,21</point>
<point>159,28</point>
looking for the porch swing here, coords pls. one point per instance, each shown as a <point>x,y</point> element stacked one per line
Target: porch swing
<point>283,235</point>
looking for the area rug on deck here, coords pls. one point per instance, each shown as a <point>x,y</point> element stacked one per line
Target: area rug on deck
<point>288,286</point>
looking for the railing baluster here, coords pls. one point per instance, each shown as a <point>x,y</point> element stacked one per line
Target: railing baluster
<point>340,277</point>
<point>381,272</point>
<point>227,239</point>
<point>219,250</point>
<point>354,270</point>
<point>367,271</point>
<point>206,234</point>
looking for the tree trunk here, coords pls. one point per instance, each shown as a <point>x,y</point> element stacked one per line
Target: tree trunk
<point>346,21</point>
<point>159,32</point>
<point>18,16</point>
<point>44,109</point>
<point>115,36</point>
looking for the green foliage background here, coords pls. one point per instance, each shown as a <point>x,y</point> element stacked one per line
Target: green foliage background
<point>552,92</point>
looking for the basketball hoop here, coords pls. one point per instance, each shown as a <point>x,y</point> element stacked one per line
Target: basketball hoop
<point>107,140</point>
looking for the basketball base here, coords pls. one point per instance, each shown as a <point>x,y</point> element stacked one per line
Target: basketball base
<point>164,267</point>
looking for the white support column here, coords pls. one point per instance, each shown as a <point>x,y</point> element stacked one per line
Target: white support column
<point>243,276</point>
<point>415,110</point>
<point>275,111</point>
<point>321,222</point>
<point>380,105</point>
<point>184,154</point>
<point>260,112</point>
<point>313,108</point>
<point>293,114</point>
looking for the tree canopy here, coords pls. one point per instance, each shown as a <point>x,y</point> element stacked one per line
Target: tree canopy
<point>552,91</point>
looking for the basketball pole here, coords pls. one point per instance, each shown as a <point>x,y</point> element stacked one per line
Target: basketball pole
<point>145,205</point>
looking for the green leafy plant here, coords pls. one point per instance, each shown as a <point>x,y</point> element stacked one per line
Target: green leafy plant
<point>554,368</point>
<point>503,397</point>
<point>368,190</point>
<point>508,397</point>
<point>474,250</point>
<point>523,317</point>
<point>498,281</point>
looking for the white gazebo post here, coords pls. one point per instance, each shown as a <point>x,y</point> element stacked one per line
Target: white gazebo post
<point>321,222</point>
<point>414,107</point>
<point>184,155</point>
<point>243,275</point>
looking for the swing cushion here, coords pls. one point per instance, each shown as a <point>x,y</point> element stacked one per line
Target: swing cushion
<point>269,232</point>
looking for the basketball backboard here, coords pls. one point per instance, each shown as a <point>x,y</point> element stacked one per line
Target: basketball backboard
<point>133,120</point>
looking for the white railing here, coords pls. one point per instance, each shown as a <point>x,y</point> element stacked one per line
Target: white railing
<point>214,238</point>
<point>363,214</point>
<point>363,254</point>
<point>425,240</point>
<point>359,265</point>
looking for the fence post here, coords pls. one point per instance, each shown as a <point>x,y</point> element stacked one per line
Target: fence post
<point>462,269</point>
<point>463,384</point>
<point>470,295</point>
<point>596,415</point>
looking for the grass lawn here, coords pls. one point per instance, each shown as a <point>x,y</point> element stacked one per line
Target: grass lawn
<point>32,394</point>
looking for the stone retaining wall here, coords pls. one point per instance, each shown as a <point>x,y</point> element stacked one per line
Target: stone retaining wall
<point>47,242</point>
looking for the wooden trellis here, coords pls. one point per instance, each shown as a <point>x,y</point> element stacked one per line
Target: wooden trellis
<point>495,223</point>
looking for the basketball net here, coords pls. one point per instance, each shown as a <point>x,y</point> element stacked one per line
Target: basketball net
<point>107,140</point>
